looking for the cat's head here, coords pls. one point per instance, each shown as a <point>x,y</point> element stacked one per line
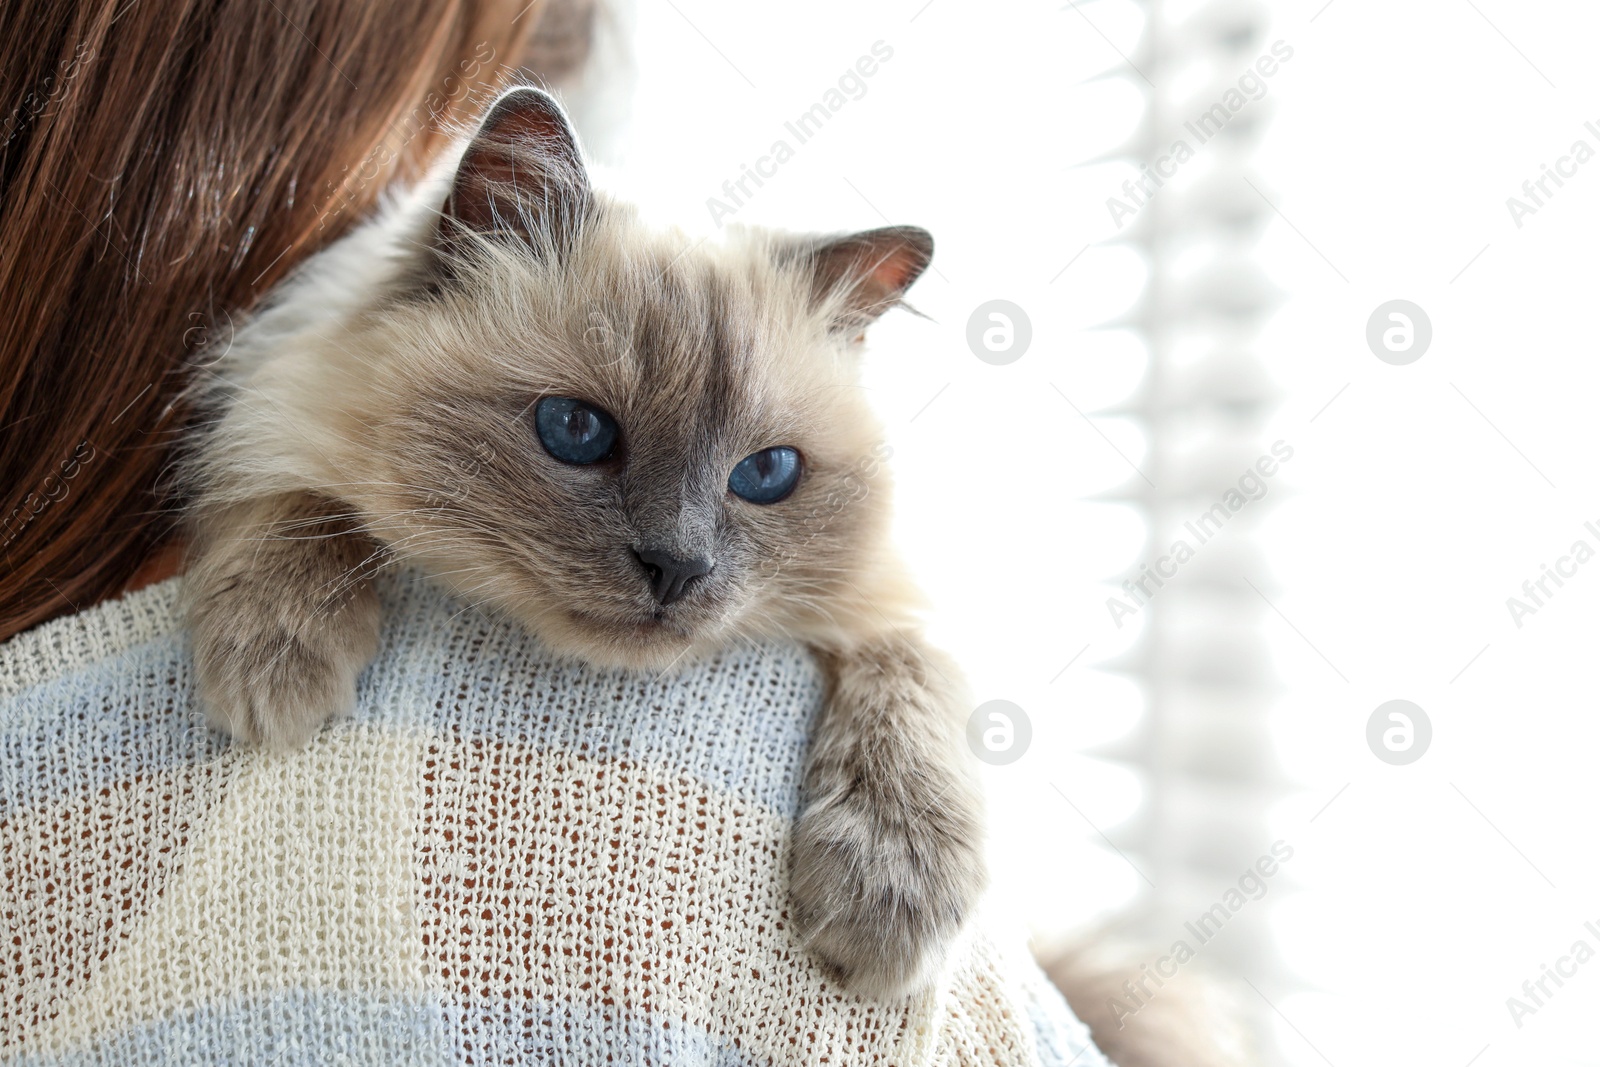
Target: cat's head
<point>638,444</point>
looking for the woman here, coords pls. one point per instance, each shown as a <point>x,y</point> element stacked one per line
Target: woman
<point>499,858</point>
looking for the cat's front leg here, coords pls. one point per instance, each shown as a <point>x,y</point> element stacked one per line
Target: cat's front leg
<point>887,860</point>
<point>282,613</point>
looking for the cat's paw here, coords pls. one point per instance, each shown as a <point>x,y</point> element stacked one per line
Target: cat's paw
<point>271,667</point>
<point>881,882</point>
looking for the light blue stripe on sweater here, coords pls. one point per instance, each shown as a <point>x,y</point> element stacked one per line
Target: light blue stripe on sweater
<point>437,667</point>
<point>1062,1040</point>
<point>303,1028</point>
<point>558,1035</point>
<point>96,726</point>
<point>290,1028</point>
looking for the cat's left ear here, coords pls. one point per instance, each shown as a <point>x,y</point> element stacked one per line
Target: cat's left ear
<point>856,278</point>
<point>521,178</point>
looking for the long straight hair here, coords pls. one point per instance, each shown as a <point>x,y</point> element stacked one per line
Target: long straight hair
<point>162,164</point>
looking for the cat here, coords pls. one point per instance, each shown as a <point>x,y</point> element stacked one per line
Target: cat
<point>642,448</point>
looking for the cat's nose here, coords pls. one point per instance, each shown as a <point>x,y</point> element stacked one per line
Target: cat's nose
<point>669,575</point>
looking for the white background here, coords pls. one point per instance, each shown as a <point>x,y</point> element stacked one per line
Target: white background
<point>1418,500</point>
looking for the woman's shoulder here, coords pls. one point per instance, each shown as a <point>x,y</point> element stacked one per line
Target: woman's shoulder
<point>737,720</point>
<point>74,643</point>
<point>500,855</point>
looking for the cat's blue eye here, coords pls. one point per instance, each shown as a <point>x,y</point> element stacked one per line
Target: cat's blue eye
<point>766,477</point>
<point>574,432</point>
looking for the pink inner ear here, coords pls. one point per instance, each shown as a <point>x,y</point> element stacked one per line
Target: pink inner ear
<point>874,268</point>
<point>897,270</point>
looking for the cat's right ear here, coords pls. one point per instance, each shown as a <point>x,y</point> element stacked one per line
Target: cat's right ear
<point>521,179</point>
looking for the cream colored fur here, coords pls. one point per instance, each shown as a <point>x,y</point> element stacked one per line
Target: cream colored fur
<point>377,411</point>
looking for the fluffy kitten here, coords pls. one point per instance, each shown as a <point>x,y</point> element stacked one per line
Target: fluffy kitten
<point>642,448</point>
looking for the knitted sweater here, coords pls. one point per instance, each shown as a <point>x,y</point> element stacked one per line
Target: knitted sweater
<point>499,858</point>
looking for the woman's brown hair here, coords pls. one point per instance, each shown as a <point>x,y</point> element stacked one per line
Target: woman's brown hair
<point>162,164</point>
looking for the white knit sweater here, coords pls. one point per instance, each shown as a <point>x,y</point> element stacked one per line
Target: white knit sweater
<point>500,858</point>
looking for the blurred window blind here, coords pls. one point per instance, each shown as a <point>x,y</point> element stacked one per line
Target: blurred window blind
<point>1203,747</point>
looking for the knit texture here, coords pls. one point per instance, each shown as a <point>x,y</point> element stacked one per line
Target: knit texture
<point>500,858</point>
